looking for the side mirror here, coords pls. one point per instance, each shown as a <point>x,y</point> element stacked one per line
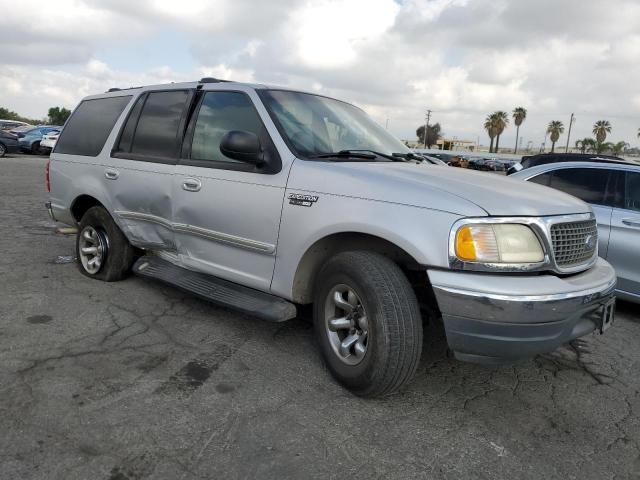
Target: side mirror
<point>243,146</point>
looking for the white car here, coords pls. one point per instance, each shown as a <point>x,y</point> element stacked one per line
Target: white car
<point>49,141</point>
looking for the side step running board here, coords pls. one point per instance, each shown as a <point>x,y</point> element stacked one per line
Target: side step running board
<point>222,292</point>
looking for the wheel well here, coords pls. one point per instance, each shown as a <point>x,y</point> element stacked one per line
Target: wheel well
<point>323,249</point>
<point>83,203</point>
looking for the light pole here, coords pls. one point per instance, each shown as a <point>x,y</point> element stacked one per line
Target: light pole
<point>566,149</point>
<point>426,127</point>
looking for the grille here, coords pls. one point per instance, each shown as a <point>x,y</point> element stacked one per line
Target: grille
<point>571,245</point>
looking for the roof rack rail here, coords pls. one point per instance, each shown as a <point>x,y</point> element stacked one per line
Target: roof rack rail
<point>114,89</point>
<point>212,80</point>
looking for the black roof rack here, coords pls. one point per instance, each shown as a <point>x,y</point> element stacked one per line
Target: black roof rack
<point>212,80</point>
<point>114,89</point>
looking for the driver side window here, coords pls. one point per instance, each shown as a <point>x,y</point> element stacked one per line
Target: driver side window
<point>220,113</point>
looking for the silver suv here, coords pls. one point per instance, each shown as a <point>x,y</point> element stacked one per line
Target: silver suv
<point>264,199</point>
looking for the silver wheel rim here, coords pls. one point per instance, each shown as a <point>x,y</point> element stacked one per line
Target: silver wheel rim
<point>2,150</point>
<point>346,324</point>
<point>92,249</point>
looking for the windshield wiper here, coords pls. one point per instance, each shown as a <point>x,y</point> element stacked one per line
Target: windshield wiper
<point>393,157</point>
<point>409,156</point>
<point>345,154</point>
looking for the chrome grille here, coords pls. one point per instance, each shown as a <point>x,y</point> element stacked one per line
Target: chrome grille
<point>571,246</point>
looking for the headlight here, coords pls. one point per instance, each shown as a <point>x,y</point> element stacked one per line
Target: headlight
<point>497,243</point>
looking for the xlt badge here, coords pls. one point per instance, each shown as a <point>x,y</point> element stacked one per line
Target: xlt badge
<point>302,200</point>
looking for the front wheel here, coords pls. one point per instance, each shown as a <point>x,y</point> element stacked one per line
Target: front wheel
<point>367,322</point>
<point>35,148</point>
<point>3,150</point>
<point>103,252</point>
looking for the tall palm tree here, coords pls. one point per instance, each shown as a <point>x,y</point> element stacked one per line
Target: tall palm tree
<point>490,127</point>
<point>600,130</point>
<point>501,122</point>
<point>555,128</point>
<point>519,114</point>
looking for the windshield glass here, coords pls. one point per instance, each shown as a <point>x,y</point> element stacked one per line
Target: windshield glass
<point>315,125</point>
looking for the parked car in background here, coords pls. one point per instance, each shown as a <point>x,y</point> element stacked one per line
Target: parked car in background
<point>613,190</point>
<point>49,141</point>
<point>30,138</point>
<point>9,124</point>
<point>8,143</point>
<point>529,161</point>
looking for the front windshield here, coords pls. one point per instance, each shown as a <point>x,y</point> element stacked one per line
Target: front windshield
<point>315,125</point>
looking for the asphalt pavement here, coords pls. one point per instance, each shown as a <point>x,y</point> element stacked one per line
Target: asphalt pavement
<point>136,380</point>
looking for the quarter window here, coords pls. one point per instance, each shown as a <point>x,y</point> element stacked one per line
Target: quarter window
<point>90,125</point>
<point>632,197</point>
<point>221,112</point>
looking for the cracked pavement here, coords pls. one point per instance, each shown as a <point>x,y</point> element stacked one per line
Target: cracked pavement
<point>135,380</point>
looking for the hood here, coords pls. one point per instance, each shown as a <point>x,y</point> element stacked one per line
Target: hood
<point>449,189</point>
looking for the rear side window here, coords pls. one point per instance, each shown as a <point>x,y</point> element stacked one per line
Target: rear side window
<point>89,126</point>
<point>592,185</point>
<point>156,131</point>
<point>632,197</point>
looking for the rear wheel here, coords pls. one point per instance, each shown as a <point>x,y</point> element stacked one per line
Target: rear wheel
<point>3,150</point>
<point>103,252</point>
<point>367,322</point>
<point>35,148</point>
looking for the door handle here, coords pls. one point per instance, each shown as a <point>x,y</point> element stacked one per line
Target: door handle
<point>192,185</point>
<point>631,223</point>
<point>111,174</point>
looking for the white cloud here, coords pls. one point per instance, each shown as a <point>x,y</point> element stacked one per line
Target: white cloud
<point>460,58</point>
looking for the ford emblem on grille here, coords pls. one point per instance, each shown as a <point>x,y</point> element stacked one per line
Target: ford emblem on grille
<point>590,242</point>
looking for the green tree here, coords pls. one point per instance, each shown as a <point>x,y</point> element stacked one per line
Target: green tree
<point>7,114</point>
<point>554,129</point>
<point>600,130</point>
<point>490,127</point>
<point>501,122</point>
<point>586,144</point>
<point>619,147</point>
<point>519,115</point>
<point>57,115</point>
<point>434,133</point>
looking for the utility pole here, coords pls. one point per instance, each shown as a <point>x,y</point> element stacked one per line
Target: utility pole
<point>426,127</point>
<point>566,149</point>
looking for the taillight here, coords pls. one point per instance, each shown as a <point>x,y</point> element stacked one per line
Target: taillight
<point>47,181</point>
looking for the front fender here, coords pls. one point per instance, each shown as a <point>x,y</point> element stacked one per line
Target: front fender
<point>420,232</point>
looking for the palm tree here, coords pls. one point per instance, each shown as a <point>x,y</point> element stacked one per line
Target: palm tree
<point>519,114</point>
<point>600,130</point>
<point>555,128</point>
<point>501,122</point>
<point>490,127</point>
<point>586,144</point>
<point>618,148</point>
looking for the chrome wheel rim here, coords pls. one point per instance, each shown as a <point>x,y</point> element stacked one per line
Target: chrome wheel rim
<point>346,324</point>
<point>2,150</point>
<point>92,249</point>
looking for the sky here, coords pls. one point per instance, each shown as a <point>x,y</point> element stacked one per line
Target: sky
<point>462,59</point>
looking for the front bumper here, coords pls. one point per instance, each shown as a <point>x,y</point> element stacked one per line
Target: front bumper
<point>491,318</point>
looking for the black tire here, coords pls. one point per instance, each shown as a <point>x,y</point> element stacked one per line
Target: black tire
<point>35,148</point>
<point>119,254</point>
<point>393,316</point>
<point>3,150</point>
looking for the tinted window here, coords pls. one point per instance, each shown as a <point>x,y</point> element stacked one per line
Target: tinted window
<point>632,197</point>
<point>126,137</point>
<point>157,131</point>
<point>588,184</point>
<point>543,179</point>
<point>220,113</point>
<point>90,125</point>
